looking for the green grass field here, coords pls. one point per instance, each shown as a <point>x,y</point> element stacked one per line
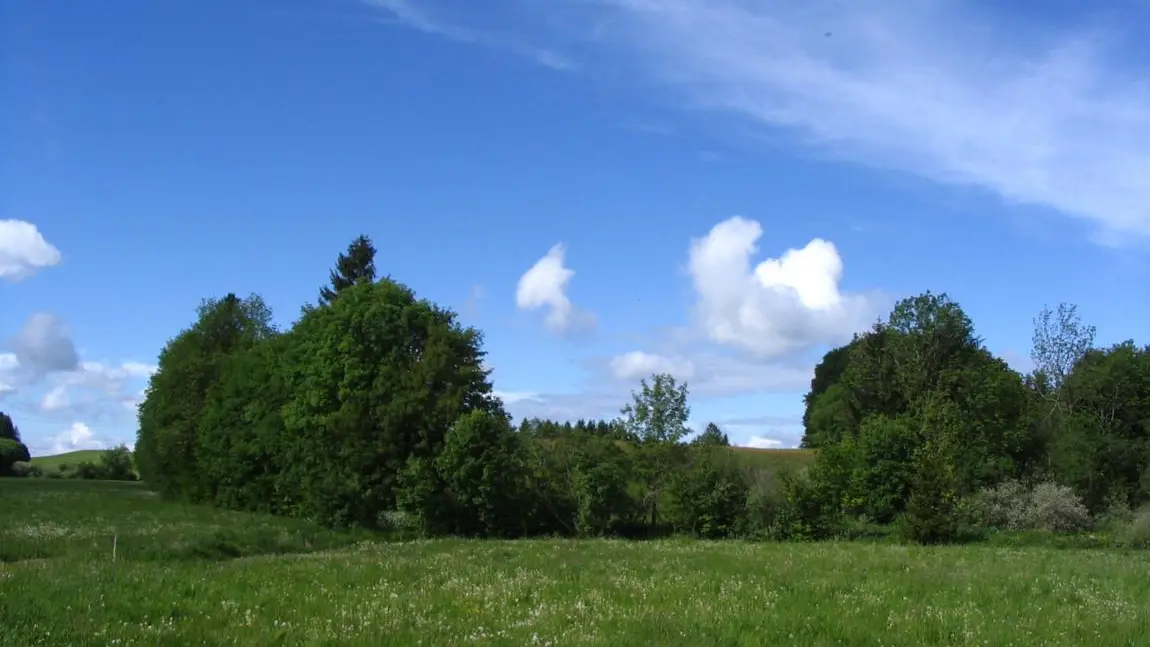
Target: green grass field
<point>287,583</point>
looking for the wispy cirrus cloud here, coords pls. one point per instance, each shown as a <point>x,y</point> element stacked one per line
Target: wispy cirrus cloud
<point>1038,113</point>
<point>433,20</point>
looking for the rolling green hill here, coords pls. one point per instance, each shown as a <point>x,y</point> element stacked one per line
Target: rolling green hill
<point>51,463</point>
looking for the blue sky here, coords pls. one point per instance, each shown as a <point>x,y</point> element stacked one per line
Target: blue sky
<point>716,188</point>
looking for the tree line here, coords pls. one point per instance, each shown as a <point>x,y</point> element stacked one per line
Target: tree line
<point>374,409</point>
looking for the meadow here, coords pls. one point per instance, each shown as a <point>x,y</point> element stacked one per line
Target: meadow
<point>187,575</point>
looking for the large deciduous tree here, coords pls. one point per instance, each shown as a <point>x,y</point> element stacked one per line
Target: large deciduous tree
<point>375,378</point>
<point>189,365</point>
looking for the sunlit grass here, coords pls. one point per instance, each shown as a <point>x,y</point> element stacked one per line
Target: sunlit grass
<point>539,592</point>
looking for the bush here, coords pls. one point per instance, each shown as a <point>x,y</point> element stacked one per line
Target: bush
<point>809,510</point>
<point>765,500</point>
<point>930,516</point>
<point>1012,505</point>
<point>25,469</point>
<point>711,494</point>
<point>12,452</point>
<point>116,464</point>
<point>1136,533</point>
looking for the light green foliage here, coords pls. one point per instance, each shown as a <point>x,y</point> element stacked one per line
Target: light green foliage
<point>22,469</point>
<point>657,416</point>
<point>1013,505</point>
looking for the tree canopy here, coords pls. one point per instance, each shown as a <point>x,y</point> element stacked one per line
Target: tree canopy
<point>375,408</point>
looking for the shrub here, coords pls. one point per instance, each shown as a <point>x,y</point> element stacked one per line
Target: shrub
<point>116,464</point>
<point>710,494</point>
<point>930,516</point>
<point>12,452</point>
<point>25,469</point>
<point>765,500</point>
<point>810,509</point>
<point>1056,508</point>
<point>1014,506</point>
<point>1136,533</point>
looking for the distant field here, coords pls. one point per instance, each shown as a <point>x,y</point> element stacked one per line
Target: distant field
<point>51,463</point>
<point>776,459</point>
<point>169,586</point>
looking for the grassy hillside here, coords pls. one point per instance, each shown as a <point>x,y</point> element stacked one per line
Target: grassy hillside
<point>777,460</point>
<point>169,587</point>
<point>51,463</point>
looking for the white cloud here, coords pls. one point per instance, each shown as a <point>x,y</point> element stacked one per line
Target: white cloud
<point>544,285</point>
<point>710,374</point>
<point>782,305</point>
<point>759,442</point>
<point>418,16</point>
<point>1053,115</point>
<point>636,365</point>
<point>78,436</point>
<point>94,385</point>
<point>23,250</point>
<point>44,345</point>
<point>514,397</point>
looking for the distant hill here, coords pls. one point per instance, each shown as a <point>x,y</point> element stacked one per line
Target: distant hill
<point>50,463</point>
<point>776,459</point>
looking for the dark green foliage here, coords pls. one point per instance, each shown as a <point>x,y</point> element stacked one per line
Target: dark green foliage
<point>930,516</point>
<point>375,378</point>
<point>8,428</point>
<point>12,452</point>
<point>712,436</point>
<point>477,485</point>
<point>116,464</point>
<point>189,365</point>
<point>375,409</point>
<point>354,267</point>
<point>241,432</point>
<point>710,494</point>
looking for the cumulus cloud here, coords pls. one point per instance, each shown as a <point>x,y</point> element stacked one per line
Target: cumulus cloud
<point>711,374</point>
<point>44,345</point>
<point>77,437</point>
<point>544,285</point>
<point>759,442</point>
<point>23,250</point>
<point>94,385</point>
<point>781,305</point>
<point>1053,115</point>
